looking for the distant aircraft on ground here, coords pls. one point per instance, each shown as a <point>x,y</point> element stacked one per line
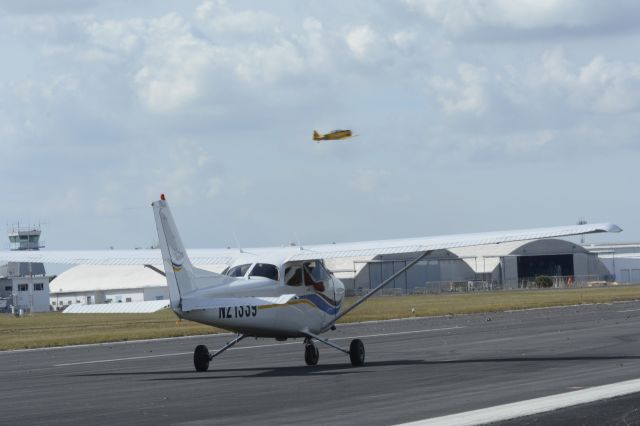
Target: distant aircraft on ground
<point>334,135</point>
<point>277,292</point>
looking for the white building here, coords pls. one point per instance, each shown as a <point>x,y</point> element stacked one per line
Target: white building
<point>90,284</point>
<point>623,260</point>
<point>29,293</point>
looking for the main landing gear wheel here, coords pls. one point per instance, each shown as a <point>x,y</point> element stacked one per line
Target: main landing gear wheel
<point>311,354</point>
<point>356,352</point>
<point>201,358</point>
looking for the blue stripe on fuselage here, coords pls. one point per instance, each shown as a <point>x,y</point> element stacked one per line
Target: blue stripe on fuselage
<point>321,304</point>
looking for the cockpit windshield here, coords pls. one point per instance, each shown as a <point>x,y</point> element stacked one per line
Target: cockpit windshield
<point>238,271</point>
<point>265,270</point>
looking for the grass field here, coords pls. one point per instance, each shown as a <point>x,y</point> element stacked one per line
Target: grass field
<point>56,329</point>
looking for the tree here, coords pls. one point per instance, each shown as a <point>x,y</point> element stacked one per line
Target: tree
<point>542,281</point>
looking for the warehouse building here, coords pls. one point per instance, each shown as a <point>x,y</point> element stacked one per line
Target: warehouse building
<point>623,260</point>
<point>495,266</point>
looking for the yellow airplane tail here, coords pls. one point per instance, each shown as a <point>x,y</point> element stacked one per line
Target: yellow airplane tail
<point>316,136</point>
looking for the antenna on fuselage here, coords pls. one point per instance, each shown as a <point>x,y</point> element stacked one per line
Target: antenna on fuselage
<point>299,241</point>
<point>235,238</point>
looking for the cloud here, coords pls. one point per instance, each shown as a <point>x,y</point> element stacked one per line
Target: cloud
<point>172,65</point>
<point>404,39</point>
<point>186,170</point>
<point>368,180</point>
<point>172,69</point>
<point>599,85</point>
<point>39,7</point>
<point>361,40</point>
<point>534,18</point>
<point>466,94</point>
<point>217,19</point>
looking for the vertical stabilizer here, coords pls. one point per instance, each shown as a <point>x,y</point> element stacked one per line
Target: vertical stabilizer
<point>177,266</point>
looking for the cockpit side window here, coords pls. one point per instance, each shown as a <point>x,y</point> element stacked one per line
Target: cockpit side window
<point>238,271</point>
<point>265,270</point>
<point>293,275</point>
<point>314,273</point>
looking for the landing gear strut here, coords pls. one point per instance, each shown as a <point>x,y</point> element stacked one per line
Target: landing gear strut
<point>355,352</point>
<point>202,356</point>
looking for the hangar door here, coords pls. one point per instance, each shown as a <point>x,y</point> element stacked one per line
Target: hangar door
<point>550,265</point>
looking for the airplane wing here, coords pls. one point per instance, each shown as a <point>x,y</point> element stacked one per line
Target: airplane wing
<point>411,245</point>
<point>325,251</point>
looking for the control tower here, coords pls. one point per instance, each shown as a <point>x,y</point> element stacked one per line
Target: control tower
<point>25,285</point>
<point>23,238</point>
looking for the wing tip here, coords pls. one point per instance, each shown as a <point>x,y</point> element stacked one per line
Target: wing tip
<point>612,227</point>
<point>606,227</point>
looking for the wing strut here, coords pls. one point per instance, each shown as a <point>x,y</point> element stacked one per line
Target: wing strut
<point>325,341</point>
<point>158,270</point>
<point>379,287</point>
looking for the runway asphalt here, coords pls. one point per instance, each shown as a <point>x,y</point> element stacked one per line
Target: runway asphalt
<point>415,369</point>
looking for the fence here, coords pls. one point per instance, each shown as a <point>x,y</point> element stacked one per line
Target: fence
<point>567,281</point>
<point>437,287</point>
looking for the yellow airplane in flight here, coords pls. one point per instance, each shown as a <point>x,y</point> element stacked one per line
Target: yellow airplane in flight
<point>334,135</point>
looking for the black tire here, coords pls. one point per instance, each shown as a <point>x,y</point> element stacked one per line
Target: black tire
<point>311,354</point>
<point>201,358</point>
<point>356,352</point>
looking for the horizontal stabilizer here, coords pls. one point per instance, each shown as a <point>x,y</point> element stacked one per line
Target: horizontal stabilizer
<point>202,303</point>
<point>118,308</point>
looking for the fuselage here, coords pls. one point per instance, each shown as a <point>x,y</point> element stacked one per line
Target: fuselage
<point>289,300</point>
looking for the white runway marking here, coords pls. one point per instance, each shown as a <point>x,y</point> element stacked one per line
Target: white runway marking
<point>630,310</point>
<point>533,406</point>
<point>132,358</point>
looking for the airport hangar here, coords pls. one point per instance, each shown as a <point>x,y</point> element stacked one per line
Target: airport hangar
<point>497,266</point>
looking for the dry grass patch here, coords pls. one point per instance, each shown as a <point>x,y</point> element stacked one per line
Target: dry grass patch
<point>389,307</point>
<point>57,329</point>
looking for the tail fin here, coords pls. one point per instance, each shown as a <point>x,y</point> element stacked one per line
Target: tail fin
<point>177,266</point>
<point>182,277</point>
<point>316,136</point>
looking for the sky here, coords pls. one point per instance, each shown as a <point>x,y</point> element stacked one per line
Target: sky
<point>471,116</point>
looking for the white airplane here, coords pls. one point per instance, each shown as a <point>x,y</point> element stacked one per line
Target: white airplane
<point>279,293</point>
